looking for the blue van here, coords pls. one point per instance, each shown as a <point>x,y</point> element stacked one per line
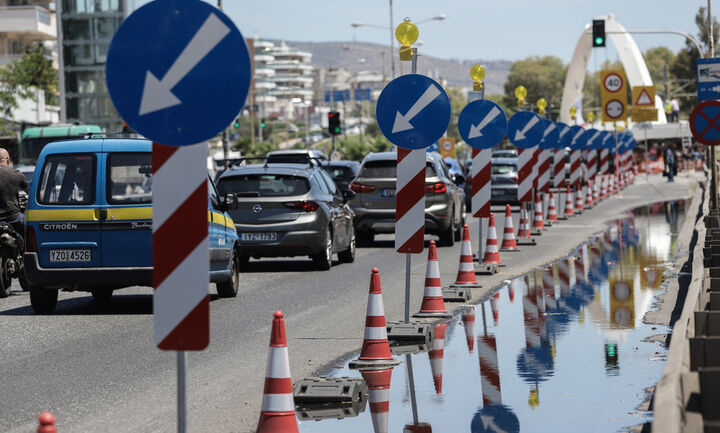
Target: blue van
<point>89,223</point>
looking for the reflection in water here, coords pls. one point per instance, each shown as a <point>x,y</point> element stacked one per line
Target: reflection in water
<point>378,382</point>
<point>571,355</point>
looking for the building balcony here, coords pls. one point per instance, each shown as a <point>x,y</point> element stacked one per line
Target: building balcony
<point>32,23</point>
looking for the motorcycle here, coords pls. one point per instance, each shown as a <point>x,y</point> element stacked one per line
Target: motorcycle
<point>11,260</point>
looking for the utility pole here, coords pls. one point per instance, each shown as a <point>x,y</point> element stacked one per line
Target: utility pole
<point>392,42</point>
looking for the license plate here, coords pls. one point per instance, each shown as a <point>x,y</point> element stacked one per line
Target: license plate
<point>258,236</point>
<point>387,193</point>
<point>70,256</point>
<point>497,192</point>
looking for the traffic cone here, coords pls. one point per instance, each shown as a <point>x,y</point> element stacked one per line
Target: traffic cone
<point>523,224</point>
<point>589,197</point>
<point>378,382</point>
<point>494,307</point>
<point>466,270</point>
<point>603,188</point>
<point>278,407</point>
<point>538,223</point>
<point>491,246</point>
<point>508,243</point>
<point>596,191</point>
<point>421,427</point>
<point>579,199</point>
<point>47,423</point>
<point>432,303</point>
<point>552,212</point>
<point>616,182</point>
<point>569,203</point>
<point>611,187</point>
<point>375,349</point>
<point>468,319</point>
<point>436,355</point>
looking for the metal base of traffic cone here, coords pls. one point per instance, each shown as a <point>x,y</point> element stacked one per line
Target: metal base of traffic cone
<point>526,241</point>
<point>468,285</point>
<point>457,293</point>
<point>510,250</point>
<point>536,232</point>
<point>368,364</point>
<point>430,315</point>
<point>486,269</point>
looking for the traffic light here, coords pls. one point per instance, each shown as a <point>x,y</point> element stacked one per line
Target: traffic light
<point>262,122</point>
<point>598,33</point>
<point>237,122</point>
<point>334,123</point>
<point>612,363</point>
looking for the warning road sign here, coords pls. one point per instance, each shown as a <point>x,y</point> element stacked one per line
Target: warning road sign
<point>613,96</point>
<point>643,96</point>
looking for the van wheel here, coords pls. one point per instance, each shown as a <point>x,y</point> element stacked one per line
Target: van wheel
<point>323,259</point>
<point>100,295</point>
<point>43,301</point>
<point>229,288</point>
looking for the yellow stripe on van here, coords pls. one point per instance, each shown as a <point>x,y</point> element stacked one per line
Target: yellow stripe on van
<point>82,214</point>
<point>129,213</point>
<point>219,218</point>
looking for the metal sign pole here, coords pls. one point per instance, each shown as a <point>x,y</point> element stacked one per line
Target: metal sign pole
<point>181,392</point>
<point>411,380</point>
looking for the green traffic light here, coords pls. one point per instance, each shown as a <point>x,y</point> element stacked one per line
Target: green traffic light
<point>598,40</point>
<point>611,349</point>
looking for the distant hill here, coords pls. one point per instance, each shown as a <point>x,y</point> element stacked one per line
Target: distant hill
<point>360,56</point>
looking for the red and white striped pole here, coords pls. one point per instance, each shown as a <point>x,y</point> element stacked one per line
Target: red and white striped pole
<point>410,210</point>
<point>604,161</point>
<point>544,163</point>
<point>559,168</point>
<point>489,370</point>
<point>481,187</point>
<point>526,165</point>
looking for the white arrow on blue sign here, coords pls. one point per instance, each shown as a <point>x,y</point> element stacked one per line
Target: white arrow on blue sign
<point>178,71</point>
<point>576,142</point>
<point>594,139</point>
<point>482,124</point>
<point>413,111</point>
<point>525,129</point>
<point>563,137</point>
<point>551,135</point>
<point>608,141</point>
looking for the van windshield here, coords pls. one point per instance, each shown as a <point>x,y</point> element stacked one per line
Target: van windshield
<point>129,178</point>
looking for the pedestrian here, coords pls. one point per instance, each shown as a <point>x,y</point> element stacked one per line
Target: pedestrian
<point>675,107</point>
<point>668,110</point>
<point>670,163</point>
<point>11,182</point>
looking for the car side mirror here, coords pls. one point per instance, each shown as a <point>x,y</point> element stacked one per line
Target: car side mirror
<point>348,194</point>
<point>459,179</point>
<point>231,201</point>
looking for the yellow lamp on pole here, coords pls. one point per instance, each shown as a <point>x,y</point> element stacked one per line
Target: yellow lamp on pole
<point>520,94</point>
<point>591,117</point>
<point>406,33</point>
<point>573,112</point>
<point>541,104</point>
<point>477,73</point>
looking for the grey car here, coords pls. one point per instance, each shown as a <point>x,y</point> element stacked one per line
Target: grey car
<point>504,178</point>
<point>374,204</point>
<point>287,210</point>
<point>296,156</point>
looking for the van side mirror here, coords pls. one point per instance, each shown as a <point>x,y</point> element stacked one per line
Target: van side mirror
<point>459,179</point>
<point>231,201</point>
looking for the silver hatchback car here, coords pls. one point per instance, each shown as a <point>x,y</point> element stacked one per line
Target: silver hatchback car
<point>374,204</point>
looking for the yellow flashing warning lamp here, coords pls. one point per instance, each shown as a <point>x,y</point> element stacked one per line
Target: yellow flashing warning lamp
<point>406,33</point>
<point>541,104</point>
<point>533,399</point>
<point>591,117</point>
<point>573,112</point>
<point>477,73</point>
<point>520,94</point>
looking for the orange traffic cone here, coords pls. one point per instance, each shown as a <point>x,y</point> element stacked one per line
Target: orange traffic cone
<point>552,211</point>
<point>588,196</point>
<point>468,319</point>
<point>494,307</point>
<point>378,382</point>
<point>538,223</point>
<point>491,246</point>
<point>569,203</point>
<point>278,407</point>
<point>436,355</point>
<point>375,349</point>
<point>47,423</point>
<point>603,188</point>
<point>432,303</point>
<point>579,200</point>
<point>523,224</point>
<point>466,270</point>
<point>508,243</point>
<point>596,191</point>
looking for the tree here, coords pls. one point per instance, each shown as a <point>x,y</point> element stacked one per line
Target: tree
<point>543,77</point>
<point>657,60</point>
<point>458,101</point>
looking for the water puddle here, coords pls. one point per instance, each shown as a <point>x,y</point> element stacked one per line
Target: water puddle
<point>560,349</point>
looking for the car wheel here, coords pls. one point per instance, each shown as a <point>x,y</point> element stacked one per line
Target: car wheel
<point>459,229</point>
<point>365,238</point>
<point>229,288</point>
<point>447,237</point>
<point>101,295</point>
<point>43,301</point>
<point>348,256</point>
<point>323,259</point>
<point>22,279</point>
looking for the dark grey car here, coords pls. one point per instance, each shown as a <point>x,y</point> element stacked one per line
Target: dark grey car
<point>287,210</point>
<point>504,181</point>
<point>374,204</point>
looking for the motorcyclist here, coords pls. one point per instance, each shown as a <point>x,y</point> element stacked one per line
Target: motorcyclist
<point>11,183</point>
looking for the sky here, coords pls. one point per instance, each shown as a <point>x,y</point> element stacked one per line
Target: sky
<point>472,29</point>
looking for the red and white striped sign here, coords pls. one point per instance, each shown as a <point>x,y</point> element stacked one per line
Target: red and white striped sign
<point>535,162</point>
<point>543,164</point>
<point>592,163</point>
<point>525,174</point>
<point>604,161</point>
<point>559,168</point>
<point>181,302</point>
<point>489,370</point>
<point>575,167</point>
<point>410,201</point>
<point>481,182</point>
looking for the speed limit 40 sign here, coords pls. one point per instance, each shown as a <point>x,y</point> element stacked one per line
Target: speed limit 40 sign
<point>613,96</point>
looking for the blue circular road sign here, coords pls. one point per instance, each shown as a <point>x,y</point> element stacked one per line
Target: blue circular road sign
<point>550,135</point>
<point>563,137</point>
<point>413,111</point>
<point>575,134</point>
<point>525,129</point>
<point>482,124</point>
<point>178,71</point>
<point>593,138</point>
<point>495,418</point>
<point>608,141</point>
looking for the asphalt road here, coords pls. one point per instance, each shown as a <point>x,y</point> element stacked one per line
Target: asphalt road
<point>97,369</point>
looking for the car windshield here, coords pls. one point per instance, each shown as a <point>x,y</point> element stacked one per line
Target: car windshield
<point>340,172</point>
<point>503,169</point>
<point>388,169</point>
<point>263,185</point>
